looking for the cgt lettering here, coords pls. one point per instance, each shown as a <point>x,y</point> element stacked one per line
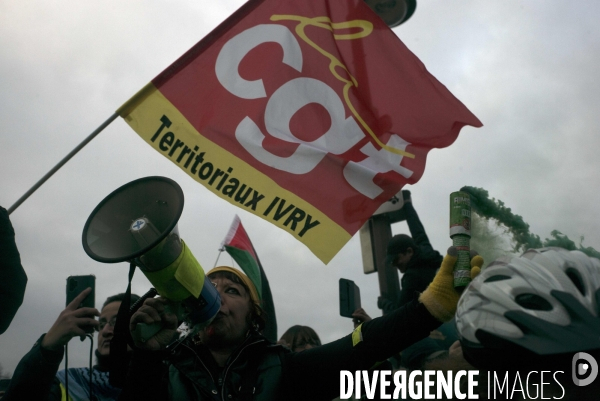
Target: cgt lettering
<point>286,101</point>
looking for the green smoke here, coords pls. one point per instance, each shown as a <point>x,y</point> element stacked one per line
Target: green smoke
<point>495,209</point>
<point>561,240</point>
<point>487,238</point>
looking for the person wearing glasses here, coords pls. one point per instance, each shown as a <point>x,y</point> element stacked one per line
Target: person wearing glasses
<point>37,377</point>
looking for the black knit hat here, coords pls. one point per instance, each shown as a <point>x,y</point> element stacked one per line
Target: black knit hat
<point>399,244</point>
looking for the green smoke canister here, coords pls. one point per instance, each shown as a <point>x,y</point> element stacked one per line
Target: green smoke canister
<point>460,233</point>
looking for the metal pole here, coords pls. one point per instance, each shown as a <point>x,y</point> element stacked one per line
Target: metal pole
<point>381,233</point>
<point>62,162</point>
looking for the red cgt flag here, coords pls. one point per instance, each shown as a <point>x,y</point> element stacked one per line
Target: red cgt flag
<point>309,114</point>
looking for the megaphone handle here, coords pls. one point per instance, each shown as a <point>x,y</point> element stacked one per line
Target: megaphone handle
<point>137,304</point>
<point>143,332</point>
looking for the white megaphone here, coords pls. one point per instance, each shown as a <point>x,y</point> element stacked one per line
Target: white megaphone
<point>138,223</point>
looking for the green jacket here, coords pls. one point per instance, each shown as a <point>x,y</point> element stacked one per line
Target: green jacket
<point>253,372</point>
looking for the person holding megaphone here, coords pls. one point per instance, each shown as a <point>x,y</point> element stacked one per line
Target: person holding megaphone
<point>223,355</point>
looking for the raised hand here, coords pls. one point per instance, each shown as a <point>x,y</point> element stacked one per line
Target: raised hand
<point>155,312</point>
<point>359,316</point>
<point>440,298</point>
<point>71,322</point>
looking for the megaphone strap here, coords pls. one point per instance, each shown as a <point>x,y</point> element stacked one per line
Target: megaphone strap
<point>118,359</point>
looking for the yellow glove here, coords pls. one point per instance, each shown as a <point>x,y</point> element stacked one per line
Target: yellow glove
<point>476,264</point>
<point>440,298</point>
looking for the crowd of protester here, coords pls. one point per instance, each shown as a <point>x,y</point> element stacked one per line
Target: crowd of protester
<point>530,313</point>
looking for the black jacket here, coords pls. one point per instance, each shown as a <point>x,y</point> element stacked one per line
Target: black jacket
<point>421,268</point>
<point>271,373</point>
<point>36,378</point>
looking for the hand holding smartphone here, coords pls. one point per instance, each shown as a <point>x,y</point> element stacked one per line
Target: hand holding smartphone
<point>78,318</point>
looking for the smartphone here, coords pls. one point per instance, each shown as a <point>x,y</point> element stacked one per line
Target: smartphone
<point>349,297</point>
<point>76,284</point>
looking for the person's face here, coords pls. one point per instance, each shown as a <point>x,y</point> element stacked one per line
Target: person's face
<point>231,324</point>
<point>108,315</point>
<point>402,259</point>
<point>303,345</point>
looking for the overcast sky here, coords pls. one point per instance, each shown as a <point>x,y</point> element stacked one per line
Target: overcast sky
<point>528,69</point>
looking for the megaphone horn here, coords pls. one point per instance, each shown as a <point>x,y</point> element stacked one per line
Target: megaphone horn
<point>138,223</point>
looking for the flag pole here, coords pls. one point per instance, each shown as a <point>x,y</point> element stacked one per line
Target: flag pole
<point>218,256</point>
<point>62,162</point>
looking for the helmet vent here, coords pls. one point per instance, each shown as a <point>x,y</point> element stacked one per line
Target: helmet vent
<point>497,277</point>
<point>575,277</point>
<point>533,301</point>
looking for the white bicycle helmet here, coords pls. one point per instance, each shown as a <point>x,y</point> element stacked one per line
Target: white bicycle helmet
<point>541,307</point>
